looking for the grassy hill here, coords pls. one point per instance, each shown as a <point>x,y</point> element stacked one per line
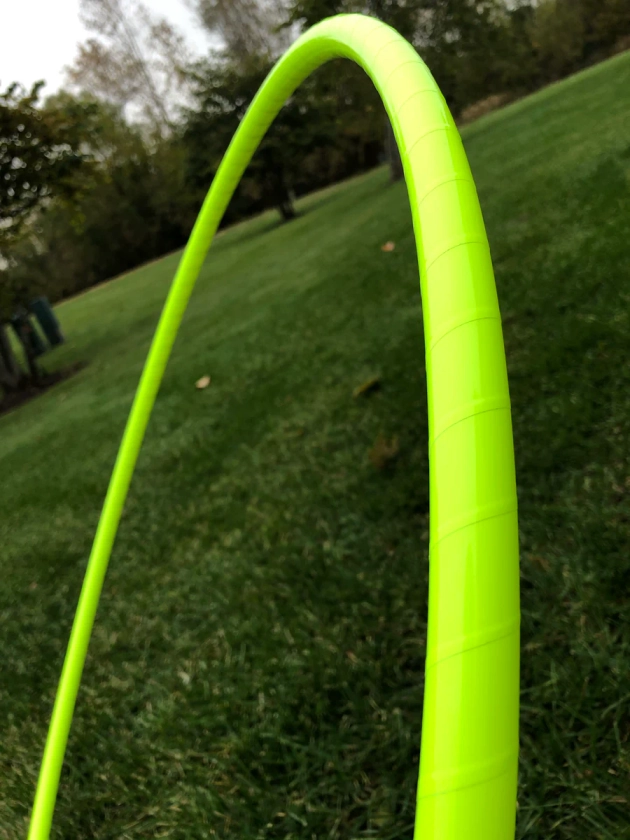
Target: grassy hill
<point>257,663</point>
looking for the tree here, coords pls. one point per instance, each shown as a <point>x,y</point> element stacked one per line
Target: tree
<point>605,23</point>
<point>135,60</point>
<point>39,157</point>
<point>247,29</point>
<point>252,36</point>
<point>223,93</point>
<point>129,204</point>
<point>40,161</point>
<point>515,64</point>
<point>401,14</point>
<point>557,34</point>
<point>306,13</point>
<point>458,38</point>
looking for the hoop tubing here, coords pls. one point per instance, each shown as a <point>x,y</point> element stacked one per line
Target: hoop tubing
<point>468,764</point>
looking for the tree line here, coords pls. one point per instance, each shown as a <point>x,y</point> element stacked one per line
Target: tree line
<point>110,172</point>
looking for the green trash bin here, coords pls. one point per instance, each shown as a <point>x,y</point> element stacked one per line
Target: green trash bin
<point>47,320</point>
<point>27,334</point>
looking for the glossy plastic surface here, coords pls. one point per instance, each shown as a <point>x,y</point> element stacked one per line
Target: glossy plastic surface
<point>467,785</point>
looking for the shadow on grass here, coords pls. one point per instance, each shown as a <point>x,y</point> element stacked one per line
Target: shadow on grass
<point>14,400</point>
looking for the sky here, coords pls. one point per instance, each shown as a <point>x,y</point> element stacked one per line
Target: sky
<point>38,38</point>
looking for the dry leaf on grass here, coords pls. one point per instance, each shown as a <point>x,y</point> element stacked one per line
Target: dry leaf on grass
<point>372,384</point>
<point>384,452</point>
<point>202,383</point>
<point>388,246</point>
<point>295,432</point>
<point>540,562</point>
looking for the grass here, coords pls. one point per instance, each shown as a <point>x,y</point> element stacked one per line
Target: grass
<point>256,666</point>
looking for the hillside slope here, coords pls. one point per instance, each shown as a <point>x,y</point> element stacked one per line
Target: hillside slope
<point>256,667</point>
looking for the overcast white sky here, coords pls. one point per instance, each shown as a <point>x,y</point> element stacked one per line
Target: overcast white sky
<point>38,38</point>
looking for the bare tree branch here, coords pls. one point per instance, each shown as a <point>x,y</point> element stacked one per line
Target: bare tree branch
<point>136,59</point>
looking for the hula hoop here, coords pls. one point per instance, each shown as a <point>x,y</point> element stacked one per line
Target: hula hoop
<point>468,763</point>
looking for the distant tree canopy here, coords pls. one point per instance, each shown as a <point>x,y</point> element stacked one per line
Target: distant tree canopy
<point>312,142</point>
<point>39,156</point>
<point>111,174</point>
<point>133,59</point>
<point>247,28</point>
<point>128,203</point>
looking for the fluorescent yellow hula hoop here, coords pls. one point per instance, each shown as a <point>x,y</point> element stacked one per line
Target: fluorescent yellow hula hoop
<point>468,763</point>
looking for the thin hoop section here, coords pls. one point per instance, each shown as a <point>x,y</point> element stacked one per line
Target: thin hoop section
<point>468,765</point>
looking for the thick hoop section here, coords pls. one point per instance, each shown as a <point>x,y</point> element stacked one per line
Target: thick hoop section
<point>468,765</point>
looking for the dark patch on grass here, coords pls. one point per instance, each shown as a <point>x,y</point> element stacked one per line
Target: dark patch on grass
<point>12,400</point>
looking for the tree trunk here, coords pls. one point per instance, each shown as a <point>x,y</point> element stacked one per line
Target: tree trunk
<point>11,374</point>
<point>393,155</point>
<point>282,194</point>
<point>287,209</point>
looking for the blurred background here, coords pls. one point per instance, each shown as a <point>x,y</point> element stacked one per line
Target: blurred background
<point>256,669</point>
<point>115,160</point>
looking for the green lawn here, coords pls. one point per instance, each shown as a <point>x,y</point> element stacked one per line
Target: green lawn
<point>257,662</point>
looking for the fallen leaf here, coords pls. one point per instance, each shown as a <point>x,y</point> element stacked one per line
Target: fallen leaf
<point>384,452</point>
<point>388,246</point>
<point>541,562</point>
<point>372,384</point>
<point>295,431</point>
<point>202,383</point>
